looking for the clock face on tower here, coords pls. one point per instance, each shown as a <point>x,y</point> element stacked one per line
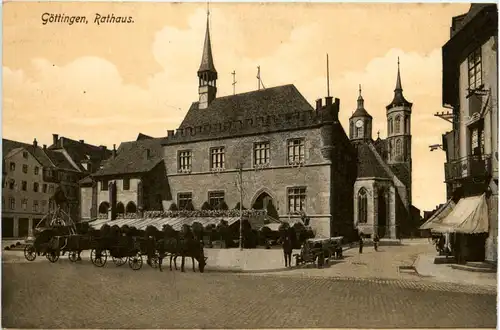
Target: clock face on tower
<point>203,98</point>
<point>359,123</point>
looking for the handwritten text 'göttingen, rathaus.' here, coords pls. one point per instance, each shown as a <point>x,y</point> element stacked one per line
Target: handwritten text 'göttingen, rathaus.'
<point>49,18</point>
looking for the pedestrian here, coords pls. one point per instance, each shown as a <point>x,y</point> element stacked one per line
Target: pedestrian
<point>375,242</point>
<point>360,243</point>
<point>287,249</point>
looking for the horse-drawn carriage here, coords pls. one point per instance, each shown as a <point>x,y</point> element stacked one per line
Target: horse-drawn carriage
<point>317,250</point>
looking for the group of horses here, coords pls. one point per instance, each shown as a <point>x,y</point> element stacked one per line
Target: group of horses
<point>124,242</point>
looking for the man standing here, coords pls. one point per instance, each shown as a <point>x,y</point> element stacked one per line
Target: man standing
<point>360,243</point>
<point>287,248</point>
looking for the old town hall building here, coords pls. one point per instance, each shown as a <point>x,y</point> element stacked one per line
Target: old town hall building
<point>268,146</point>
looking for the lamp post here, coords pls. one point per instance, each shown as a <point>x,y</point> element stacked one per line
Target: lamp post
<point>240,171</point>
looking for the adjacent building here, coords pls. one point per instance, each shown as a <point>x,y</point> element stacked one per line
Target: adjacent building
<point>31,175</point>
<point>470,90</point>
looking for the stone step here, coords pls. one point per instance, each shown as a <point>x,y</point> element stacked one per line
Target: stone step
<point>472,268</point>
<point>440,260</point>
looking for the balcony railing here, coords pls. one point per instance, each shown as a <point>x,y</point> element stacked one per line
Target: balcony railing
<point>473,166</point>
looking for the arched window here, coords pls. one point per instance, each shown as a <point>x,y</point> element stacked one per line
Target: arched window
<point>362,206</point>
<point>120,208</point>
<point>131,208</point>
<point>103,208</point>
<point>398,148</point>
<point>407,124</point>
<point>390,128</point>
<point>397,124</point>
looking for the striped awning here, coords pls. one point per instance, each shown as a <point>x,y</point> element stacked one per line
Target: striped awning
<point>176,223</point>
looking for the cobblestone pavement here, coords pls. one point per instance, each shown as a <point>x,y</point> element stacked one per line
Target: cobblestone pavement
<point>66,295</point>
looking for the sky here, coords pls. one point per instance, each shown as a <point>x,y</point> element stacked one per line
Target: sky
<point>105,83</point>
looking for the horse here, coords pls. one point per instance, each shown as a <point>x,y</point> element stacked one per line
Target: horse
<point>184,247</point>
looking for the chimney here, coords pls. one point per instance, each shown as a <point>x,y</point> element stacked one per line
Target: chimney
<point>170,133</point>
<point>55,138</point>
<point>319,104</point>
<point>35,143</point>
<point>82,141</point>
<point>328,100</point>
<point>44,147</point>
<point>114,150</point>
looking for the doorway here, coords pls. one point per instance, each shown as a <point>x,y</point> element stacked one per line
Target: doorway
<point>382,214</point>
<point>265,202</point>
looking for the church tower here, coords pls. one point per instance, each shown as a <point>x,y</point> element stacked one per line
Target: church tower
<point>360,123</point>
<point>399,134</point>
<point>398,126</point>
<point>207,75</point>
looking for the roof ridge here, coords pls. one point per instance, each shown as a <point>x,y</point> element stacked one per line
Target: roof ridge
<point>256,91</point>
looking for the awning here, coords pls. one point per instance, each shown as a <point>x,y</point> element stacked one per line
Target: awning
<point>470,216</point>
<point>441,213</point>
<point>176,223</point>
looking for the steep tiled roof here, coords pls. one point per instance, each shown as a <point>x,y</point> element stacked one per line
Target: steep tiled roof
<point>37,152</point>
<point>82,152</point>
<point>143,137</point>
<point>61,160</point>
<point>368,164</point>
<point>132,158</point>
<point>270,101</point>
<point>461,21</point>
<point>402,172</point>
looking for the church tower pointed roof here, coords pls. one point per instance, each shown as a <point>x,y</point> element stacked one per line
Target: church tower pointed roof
<point>207,61</point>
<point>399,99</point>
<point>360,110</point>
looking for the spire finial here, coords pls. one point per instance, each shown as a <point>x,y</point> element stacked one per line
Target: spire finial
<point>378,134</point>
<point>327,76</point>
<point>398,80</point>
<point>359,89</point>
<point>207,61</point>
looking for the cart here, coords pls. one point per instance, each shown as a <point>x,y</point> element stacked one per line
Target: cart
<point>317,250</point>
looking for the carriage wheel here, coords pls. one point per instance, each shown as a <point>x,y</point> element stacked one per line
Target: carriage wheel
<point>154,262</point>
<point>73,256</point>
<point>120,261</point>
<point>135,262</point>
<point>98,261</point>
<point>53,256</point>
<point>30,252</point>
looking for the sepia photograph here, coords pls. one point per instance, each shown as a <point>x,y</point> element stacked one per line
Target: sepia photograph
<point>249,165</point>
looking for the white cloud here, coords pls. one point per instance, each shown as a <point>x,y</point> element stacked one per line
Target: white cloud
<point>90,91</point>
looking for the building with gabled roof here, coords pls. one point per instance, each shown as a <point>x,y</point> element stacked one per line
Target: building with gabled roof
<point>31,175</point>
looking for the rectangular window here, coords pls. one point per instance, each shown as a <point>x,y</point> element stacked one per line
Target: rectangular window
<point>296,151</point>
<point>24,204</point>
<point>104,185</point>
<point>25,168</point>
<point>183,199</point>
<point>25,154</point>
<point>296,199</point>
<point>35,206</point>
<point>477,138</point>
<point>12,184</point>
<point>24,185</point>
<point>35,187</point>
<point>217,158</point>
<point>12,202</point>
<point>51,189</point>
<point>215,198</point>
<point>37,170</point>
<point>43,206</point>
<point>126,184</point>
<point>261,153</point>
<point>185,160</point>
<point>44,188</point>
<point>475,67</point>
<point>12,166</point>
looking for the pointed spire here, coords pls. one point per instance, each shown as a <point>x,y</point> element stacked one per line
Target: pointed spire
<point>399,99</point>
<point>361,101</point>
<point>207,61</point>
<point>398,80</point>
